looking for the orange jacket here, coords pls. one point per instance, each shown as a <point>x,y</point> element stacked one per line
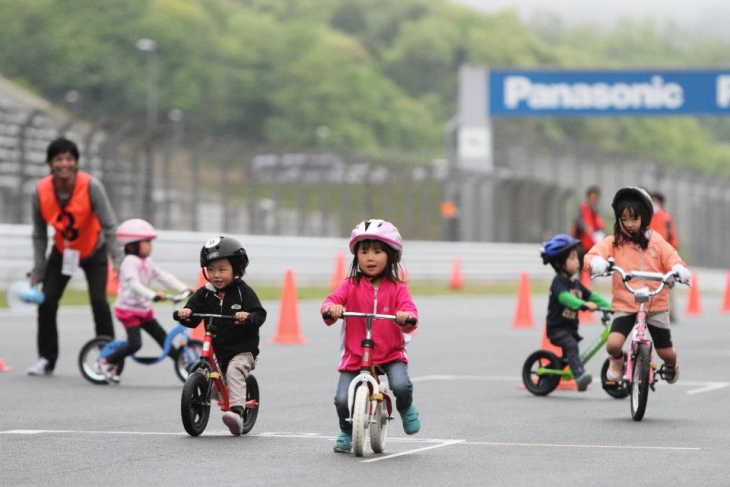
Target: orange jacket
<point>659,256</point>
<point>588,222</point>
<point>76,226</point>
<point>663,223</point>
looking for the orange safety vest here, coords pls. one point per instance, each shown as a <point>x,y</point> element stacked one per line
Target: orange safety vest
<point>76,224</point>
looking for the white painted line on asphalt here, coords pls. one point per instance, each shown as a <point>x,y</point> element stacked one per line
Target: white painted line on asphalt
<point>410,452</point>
<point>568,445</point>
<point>465,377</point>
<point>709,386</point>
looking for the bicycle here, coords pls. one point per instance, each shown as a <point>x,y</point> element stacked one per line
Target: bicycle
<point>102,346</point>
<point>543,370</point>
<point>369,400</point>
<point>639,374</point>
<point>205,375</point>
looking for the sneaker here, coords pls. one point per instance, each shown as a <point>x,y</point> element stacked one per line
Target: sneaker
<point>671,373</point>
<point>615,370</point>
<point>583,380</point>
<point>411,423</point>
<point>109,371</point>
<point>234,421</point>
<point>40,368</point>
<point>343,443</point>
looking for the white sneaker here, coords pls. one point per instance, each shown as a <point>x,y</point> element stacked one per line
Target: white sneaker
<point>615,370</point>
<point>40,368</point>
<point>109,371</point>
<point>671,372</point>
<point>234,422</point>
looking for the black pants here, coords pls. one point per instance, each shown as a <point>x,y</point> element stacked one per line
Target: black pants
<point>134,341</point>
<point>96,268</point>
<point>568,342</point>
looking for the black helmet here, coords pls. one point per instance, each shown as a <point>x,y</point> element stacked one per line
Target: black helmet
<point>557,246</point>
<point>637,194</point>
<point>225,248</point>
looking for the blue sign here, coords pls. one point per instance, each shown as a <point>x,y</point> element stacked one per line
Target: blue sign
<point>527,93</point>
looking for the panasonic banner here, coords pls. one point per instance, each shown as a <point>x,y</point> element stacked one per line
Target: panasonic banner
<point>608,93</point>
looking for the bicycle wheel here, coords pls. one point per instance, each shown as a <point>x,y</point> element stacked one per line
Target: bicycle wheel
<point>250,414</point>
<point>618,391</point>
<point>541,385</point>
<point>89,360</point>
<point>640,382</point>
<point>360,419</point>
<point>186,356</point>
<point>194,404</point>
<point>379,427</point>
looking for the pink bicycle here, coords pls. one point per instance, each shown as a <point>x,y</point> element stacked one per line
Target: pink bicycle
<point>640,372</point>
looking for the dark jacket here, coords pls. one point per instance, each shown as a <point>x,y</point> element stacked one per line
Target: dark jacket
<point>230,339</point>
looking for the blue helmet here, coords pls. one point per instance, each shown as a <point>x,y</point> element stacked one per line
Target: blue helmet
<point>557,246</point>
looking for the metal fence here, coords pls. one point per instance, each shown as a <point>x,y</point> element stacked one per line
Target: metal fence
<point>182,182</point>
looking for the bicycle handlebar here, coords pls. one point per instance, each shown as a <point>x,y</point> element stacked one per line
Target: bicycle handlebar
<point>352,314</point>
<point>176,298</point>
<point>664,279</point>
<point>202,316</point>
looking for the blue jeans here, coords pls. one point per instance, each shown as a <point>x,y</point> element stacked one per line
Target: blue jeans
<point>398,380</point>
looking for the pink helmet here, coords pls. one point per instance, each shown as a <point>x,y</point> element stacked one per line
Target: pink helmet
<point>377,230</point>
<point>135,230</point>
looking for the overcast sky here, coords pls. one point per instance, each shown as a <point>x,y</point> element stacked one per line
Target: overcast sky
<point>694,15</point>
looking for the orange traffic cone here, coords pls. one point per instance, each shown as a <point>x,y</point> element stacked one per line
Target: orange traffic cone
<point>523,316</point>
<point>547,345</point>
<point>585,317</point>
<point>5,368</point>
<point>456,281</point>
<point>726,298</point>
<point>198,333</point>
<point>112,281</point>
<point>287,331</point>
<point>339,273</point>
<point>693,298</point>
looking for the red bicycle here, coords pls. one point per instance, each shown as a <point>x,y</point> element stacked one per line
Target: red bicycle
<point>205,376</point>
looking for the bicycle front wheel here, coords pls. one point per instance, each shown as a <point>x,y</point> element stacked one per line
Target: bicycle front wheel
<point>194,404</point>
<point>360,419</point>
<point>640,382</point>
<point>535,382</point>
<point>186,356</point>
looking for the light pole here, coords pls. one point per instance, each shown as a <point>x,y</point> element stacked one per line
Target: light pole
<point>149,47</point>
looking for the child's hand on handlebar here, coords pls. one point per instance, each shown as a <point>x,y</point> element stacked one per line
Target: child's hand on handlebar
<point>683,273</point>
<point>159,296</point>
<point>336,311</point>
<point>400,319</point>
<point>240,317</point>
<point>591,306</point>
<point>184,313</point>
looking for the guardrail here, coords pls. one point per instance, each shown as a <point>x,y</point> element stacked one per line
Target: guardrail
<point>313,259</point>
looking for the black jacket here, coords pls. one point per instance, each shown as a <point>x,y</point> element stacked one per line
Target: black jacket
<point>230,339</point>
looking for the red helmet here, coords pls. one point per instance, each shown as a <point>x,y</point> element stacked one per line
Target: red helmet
<point>135,230</point>
<point>377,230</point>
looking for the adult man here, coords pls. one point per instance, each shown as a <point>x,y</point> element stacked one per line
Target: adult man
<point>588,226</point>
<point>76,205</point>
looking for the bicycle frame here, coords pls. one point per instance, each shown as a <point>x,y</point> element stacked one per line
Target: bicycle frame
<point>639,337</point>
<point>368,374</point>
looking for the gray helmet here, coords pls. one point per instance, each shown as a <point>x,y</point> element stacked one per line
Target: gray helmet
<point>225,248</point>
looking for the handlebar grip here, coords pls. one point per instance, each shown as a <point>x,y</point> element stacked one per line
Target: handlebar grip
<point>176,316</point>
<point>327,315</point>
<point>411,321</point>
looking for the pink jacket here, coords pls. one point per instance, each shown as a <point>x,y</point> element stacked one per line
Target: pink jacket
<point>389,298</point>
<point>659,256</point>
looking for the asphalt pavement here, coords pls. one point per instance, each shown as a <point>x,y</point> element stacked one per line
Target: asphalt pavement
<point>479,426</point>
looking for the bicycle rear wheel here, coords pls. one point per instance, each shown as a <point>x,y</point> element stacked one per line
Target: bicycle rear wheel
<point>89,357</point>
<point>541,385</point>
<point>250,414</point>
<point>194,404</point>
<point>379,427</point>
<point>186,356</point>
<point>640,382</point>
<point>360,419</point>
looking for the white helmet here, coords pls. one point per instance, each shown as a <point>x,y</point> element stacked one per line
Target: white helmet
<point>135,230</point>
<point>377,230</point>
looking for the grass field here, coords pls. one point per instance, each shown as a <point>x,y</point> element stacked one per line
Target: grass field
<point>76,297</point>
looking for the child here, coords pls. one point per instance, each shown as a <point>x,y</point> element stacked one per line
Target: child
<point>133,306</point>
<point>236,343</point>
<point>567,297</point>
<point>636,248</point>
<point>374,285</point>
